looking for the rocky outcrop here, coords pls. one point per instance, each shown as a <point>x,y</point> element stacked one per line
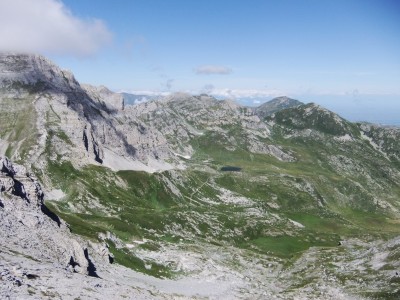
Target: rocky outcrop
<point>385,139</point>
<point>15,180</point>
<point>275,151</point>
<point>92,146</point>
<point>28,227</point>
<point>110,100</point>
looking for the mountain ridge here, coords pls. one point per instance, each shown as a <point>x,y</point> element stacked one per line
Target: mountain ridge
<point>151,184</point>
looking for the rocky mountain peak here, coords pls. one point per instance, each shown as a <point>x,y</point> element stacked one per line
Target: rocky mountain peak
<point>34,71</point>
<point>282,99</point>
<point>275,105</point>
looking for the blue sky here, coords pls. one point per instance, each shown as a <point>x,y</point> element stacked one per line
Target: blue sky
<point>342,54</point>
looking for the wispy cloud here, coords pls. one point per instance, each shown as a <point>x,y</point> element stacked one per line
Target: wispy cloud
<point>47,26</point>
<point>213,70</point>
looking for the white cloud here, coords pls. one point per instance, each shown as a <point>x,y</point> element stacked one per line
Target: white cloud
<point>213,70</point>
<point>47,26</point>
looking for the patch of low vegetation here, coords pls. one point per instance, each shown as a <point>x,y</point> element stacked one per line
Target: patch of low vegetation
<point>18,126</point>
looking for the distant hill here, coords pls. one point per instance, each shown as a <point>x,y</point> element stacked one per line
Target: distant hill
<point>275,105</point>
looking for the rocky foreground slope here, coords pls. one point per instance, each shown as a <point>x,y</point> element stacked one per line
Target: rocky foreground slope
<point>190,196</point>
<point>30,233</point>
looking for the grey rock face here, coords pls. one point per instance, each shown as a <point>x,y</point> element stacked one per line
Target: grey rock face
<point>27,226</point>
<point>7,167</point>
<point>82,109</point>
<point>27,69</point>
<point>111,101</point>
